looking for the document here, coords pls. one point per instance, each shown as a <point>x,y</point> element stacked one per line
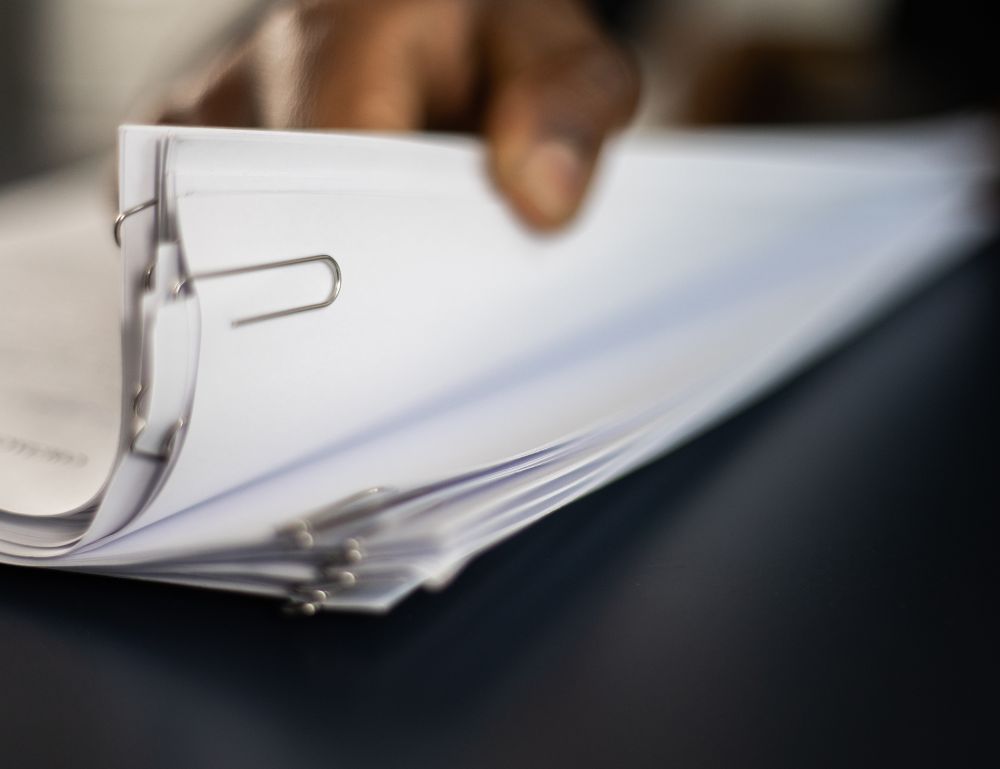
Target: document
<point>334,368</point>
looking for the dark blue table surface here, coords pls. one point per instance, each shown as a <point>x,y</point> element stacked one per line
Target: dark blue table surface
<point>808,585</point>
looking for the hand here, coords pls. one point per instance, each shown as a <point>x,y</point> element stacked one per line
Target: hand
<point>538,78</point>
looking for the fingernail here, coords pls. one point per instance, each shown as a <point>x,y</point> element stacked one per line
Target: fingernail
<point>551,179</point>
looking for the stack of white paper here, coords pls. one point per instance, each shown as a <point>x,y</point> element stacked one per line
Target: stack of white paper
<point>344,369</point>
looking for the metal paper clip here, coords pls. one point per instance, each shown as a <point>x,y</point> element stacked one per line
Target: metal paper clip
<point>305,600</point>
<point>325,259</point>
<point>303,533</point>
<point>336,569</point>
<point>336,275</point>
<point>120,219</point>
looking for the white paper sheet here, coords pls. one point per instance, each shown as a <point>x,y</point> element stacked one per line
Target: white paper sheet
<point>477,374</point>
<point>59,343</point>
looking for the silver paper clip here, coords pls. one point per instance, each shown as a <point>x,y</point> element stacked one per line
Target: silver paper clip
<point>120,219</point>
<point>339,560</point>
<point>325,259</point>
<point>336,275</point>
<point>186,282</point>
<point>304,533</point>
<point>306,600</point>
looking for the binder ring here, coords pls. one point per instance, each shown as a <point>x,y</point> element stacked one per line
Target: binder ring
<point>325,259</point>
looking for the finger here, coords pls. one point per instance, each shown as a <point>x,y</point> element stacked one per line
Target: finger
<point>559,88</point>
<point>393,65</point>
<point>221,95</point>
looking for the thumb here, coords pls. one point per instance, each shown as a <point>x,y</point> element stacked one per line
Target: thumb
<point>559,88</point>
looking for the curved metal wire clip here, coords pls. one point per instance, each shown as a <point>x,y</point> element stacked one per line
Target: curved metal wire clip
<point>325,259</point>
<point>184,284</point>
<point>120,219</point>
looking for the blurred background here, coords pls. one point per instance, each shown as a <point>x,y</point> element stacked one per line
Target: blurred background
<point>72,70</point>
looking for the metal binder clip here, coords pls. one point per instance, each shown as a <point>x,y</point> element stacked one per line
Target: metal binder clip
<point>325,259</point>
